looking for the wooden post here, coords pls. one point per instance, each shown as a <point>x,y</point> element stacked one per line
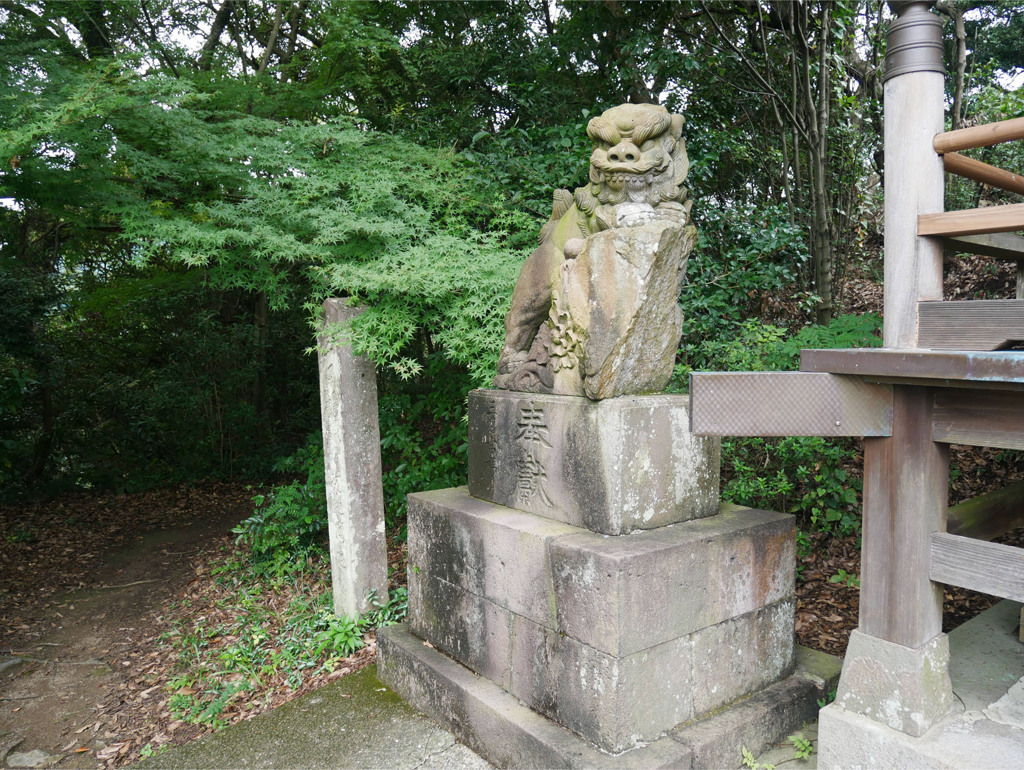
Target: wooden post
<point>906,483</point>
<point>913,170</point>
<point>906,476</point>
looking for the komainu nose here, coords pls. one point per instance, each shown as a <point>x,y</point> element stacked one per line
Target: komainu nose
<point>624,152</point>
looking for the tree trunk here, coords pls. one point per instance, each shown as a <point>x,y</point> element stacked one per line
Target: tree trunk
<point>219,22</point>
<point>821,244</point>
<point>274,32</point>
<point>44,444</point>
<point>262,320</point>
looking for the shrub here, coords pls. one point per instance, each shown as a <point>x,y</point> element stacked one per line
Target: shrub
<point>290,520</point>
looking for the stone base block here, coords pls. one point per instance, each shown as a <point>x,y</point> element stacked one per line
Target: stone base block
<point>905,689</point>
<point>614,702</point>
<point>984,729</point>
<point>851,741</point>
<point>619,595</point>
<point>509,734</point>
<point>618,639</point>
<point>611,466</point>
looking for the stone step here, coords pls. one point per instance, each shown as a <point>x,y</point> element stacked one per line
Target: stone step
<point>509,734</point>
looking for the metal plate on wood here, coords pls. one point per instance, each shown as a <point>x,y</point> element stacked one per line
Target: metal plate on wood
<point>987,324</point>
<point>989,418</point>
<point>999,368</point>
<point>992,568</point>
<point>787,404</point>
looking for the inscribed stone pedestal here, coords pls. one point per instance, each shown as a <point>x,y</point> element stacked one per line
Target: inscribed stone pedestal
<point>612,466</point>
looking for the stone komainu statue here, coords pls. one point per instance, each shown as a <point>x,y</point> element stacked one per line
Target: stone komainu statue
<point>601,289</point>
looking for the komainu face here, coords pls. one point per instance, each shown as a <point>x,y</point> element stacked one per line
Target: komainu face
<point>638,157</point>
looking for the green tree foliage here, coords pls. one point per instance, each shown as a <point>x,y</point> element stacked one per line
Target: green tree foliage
<point>182,182</point>
<point>120,178</point>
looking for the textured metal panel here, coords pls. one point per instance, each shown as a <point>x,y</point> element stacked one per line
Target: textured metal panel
<point>787,404</point>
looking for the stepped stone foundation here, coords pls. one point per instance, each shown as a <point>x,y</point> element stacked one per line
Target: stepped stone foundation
<point>543,635</point>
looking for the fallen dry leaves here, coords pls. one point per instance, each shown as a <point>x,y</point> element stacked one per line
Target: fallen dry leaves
<point>135,717</point>
<point>53,546</point>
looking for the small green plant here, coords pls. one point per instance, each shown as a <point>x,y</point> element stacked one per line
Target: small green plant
<point>20,535</point>
<point>394,610</point>
<point>749,760</point>
<point>206,708</point>
<point>263,640</point>
<point>290,521</point>
<point>341,637</point>
<point>804,747</point>
<point>848,579</point>
<point>149,751</point>
<point>829,697</point>
<point>830,503</point>
<point>803,475</point>
<point>803,544</point>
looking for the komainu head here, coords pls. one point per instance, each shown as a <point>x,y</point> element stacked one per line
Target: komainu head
<point>639,155</point>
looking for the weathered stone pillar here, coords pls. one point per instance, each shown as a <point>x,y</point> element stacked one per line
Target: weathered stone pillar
<point>355,494</point>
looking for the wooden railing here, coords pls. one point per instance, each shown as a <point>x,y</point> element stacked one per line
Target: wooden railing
<point>991,324</point>
<point>990,515</point>
<point>961,558</point>
<point>935,382</point>
<point>990,219</point>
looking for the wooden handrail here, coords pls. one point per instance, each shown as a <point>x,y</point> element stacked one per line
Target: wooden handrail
<point>992,568</point>
<point>979,136</point>
<point>990,219</point>
<point>990,515</point>
<point>997,245</point>
<point>961,165</point>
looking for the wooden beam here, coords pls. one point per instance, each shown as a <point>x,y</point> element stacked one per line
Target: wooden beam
<point>979,136</point>
<point>989,418</point>
<point>988,516</point>
<point>998,245</point>
<point>961,165</point>
<point>906,481</point>
<point>787,404</point>
<point>990,219</point>
<point>991,568</point>
<point>981,369</point>
<point>988,324</point>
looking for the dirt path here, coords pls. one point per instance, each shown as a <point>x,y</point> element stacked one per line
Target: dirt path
<point>69,658</point>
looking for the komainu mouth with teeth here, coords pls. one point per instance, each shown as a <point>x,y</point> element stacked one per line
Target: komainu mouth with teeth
<point>637,170</point>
